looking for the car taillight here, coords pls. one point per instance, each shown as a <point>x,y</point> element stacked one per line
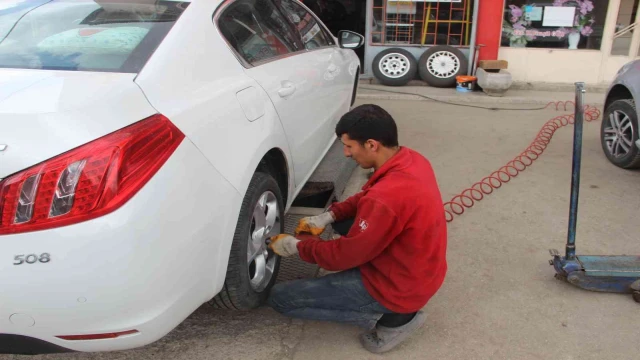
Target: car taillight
<point>89,181</point>
<point>98,336</point>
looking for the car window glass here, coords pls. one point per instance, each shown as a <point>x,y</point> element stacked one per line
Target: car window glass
<point>84,35</point>
<point>328,36</point>
<point>309,29</point>
<point>257,30</point>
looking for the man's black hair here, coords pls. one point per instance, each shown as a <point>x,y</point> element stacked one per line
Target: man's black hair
<point>369,122</point>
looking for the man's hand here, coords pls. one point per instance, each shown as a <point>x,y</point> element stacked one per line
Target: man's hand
<point>314,225</point>
<point>284,245</point>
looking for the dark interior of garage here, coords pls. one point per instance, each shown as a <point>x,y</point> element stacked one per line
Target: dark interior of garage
<point>341,15</point>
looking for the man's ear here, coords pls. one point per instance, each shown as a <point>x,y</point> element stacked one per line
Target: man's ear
<point>372,145</point>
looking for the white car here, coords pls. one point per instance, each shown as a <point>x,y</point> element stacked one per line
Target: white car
<point>147,151</point>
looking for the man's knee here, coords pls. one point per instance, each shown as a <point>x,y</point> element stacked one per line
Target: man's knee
<point>279,298</point>
<point>295,294</point>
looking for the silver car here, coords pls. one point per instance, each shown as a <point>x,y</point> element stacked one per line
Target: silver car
<point>619,131</point>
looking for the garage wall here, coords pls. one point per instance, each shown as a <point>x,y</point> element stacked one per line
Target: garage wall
<point>552,65</point>
<point>372,50</point>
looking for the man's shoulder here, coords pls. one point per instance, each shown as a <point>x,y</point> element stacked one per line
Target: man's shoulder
<point>412,173</point>
<point>415,178</point>
<point>417,157</point>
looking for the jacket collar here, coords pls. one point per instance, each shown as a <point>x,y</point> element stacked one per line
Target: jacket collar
<point>400,160</point>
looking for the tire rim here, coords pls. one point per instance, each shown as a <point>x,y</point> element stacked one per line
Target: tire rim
<point>443,64</point>
<point>265,223</point>
<point>619,134</point>
<point>394,65</point>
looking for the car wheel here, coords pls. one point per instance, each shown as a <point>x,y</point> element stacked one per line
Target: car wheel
<point>440,65</point>
<point>619,133</point>
<point>253,267</point>
<point>394,67</point>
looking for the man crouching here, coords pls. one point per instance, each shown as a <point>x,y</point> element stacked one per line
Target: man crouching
<point>391,257</point>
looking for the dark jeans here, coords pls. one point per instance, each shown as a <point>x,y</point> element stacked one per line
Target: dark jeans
<point>339,297</point>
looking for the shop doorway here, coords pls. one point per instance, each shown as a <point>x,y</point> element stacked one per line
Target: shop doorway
<point>625,38</point>
<point>342,15</point>
<point>625,27</point>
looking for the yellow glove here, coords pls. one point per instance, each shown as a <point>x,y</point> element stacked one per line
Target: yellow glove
<point>314,225</point>
<point>284,245</point>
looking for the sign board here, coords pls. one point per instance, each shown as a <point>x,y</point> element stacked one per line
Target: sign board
<point>401,7</point>
<point>440,1</point>
<point>557,16</point>
<point>533,13</point>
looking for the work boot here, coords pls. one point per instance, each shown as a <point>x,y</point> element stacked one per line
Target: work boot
<point>383,339</point>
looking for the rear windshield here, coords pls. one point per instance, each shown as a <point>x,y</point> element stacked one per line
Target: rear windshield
<point>83,35</point>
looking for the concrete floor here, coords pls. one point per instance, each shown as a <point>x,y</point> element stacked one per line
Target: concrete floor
<point>499,300</point>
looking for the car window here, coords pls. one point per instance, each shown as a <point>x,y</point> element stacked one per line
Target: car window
<point>257,30</point>
<point>84,35</point>
<point>308,27</point>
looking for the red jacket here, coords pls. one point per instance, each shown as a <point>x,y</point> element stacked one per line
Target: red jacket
<point>399,237</point>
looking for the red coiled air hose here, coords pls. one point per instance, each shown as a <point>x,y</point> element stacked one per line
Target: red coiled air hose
<point>468,197</point>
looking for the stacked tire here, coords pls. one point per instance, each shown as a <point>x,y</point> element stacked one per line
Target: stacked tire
<point>438,66</point>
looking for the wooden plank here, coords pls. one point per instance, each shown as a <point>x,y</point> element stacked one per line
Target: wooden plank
<point>493,64</point>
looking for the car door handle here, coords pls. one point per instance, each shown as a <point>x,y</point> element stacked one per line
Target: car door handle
<point>287,89</point>
<point>333,68</point>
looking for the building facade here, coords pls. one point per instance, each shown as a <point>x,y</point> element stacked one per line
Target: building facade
<point>564,41</point>
<point>551,41</point>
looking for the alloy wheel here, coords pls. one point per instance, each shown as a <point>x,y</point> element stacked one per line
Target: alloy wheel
<point>265,223</point>
<point>619,134</point>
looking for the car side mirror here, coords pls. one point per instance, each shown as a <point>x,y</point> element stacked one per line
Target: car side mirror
<point>350,39</point>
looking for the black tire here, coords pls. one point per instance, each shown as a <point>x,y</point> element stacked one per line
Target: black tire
<point>394,67</point>
<point>237,293</point>
<point>631,158</point>
<point>428,74</point>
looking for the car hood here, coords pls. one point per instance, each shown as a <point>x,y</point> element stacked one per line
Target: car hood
<point>46,113</point>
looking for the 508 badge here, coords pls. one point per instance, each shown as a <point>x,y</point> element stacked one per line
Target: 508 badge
<point>31,259</point>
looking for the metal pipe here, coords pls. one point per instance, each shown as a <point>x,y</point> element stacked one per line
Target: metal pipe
<point>575,171</point>
<point>474,29</point>
<point>625,30</point>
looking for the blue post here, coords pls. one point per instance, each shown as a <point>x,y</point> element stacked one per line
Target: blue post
<point>575,171</point>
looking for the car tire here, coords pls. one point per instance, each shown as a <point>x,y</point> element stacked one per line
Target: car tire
<point>394,67</point>
<point>440,65</point>
<point>253,267</point>
<point>619,130</point>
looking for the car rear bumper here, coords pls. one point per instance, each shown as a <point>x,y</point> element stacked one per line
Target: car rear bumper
<point>144,267</point>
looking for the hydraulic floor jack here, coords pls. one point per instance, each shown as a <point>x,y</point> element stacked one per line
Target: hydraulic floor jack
<point>617,274</point>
